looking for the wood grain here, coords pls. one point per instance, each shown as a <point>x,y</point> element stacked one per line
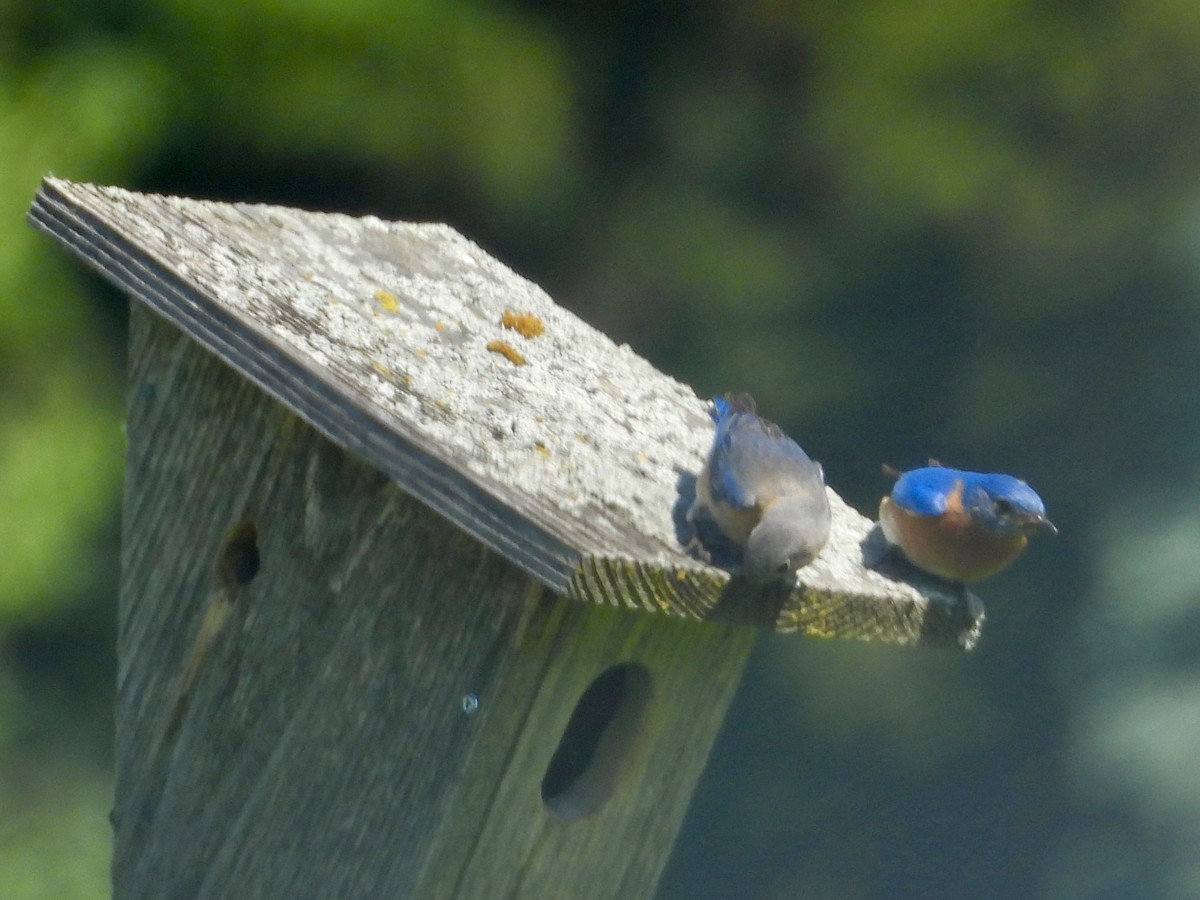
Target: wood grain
<point>320,747</point>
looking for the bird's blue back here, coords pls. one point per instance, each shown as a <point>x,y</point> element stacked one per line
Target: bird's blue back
<point>926,491</point>
<point>753,461</point>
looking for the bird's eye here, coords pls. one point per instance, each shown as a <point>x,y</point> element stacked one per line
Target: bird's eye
<point>783,567</point>
<point>1003,507</point>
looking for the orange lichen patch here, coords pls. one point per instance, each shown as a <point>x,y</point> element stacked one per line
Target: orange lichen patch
<point>439,326</point>
<point>507,351</point>
<point>525,324</point>
<point>542,449</point>
<point>382,369</point>
<point>387,301</point>
<point>420,352</point>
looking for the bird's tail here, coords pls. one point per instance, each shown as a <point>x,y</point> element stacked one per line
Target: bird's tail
<point>728,404</point>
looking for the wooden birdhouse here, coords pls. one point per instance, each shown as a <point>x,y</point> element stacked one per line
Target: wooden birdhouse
<point>404,607</point>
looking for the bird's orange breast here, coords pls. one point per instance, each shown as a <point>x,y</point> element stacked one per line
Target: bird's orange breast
<point>951,545</point>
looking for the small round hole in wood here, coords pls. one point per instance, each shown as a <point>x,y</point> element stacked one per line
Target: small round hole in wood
<point>238,561</point>
<point>598,743</point>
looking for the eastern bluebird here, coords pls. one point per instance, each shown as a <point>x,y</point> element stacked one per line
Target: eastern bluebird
<point>963,526</point>
<point>763,492</point>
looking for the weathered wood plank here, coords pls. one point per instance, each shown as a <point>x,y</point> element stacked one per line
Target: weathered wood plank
<point>308,739</point>
<point>575,464</point>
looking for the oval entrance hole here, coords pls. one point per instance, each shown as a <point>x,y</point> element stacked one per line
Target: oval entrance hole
<point>238,561</point>
<point>600,739</point>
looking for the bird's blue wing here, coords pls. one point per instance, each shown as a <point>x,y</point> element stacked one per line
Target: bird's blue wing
<point>726,469</point>
<point>924,491</point>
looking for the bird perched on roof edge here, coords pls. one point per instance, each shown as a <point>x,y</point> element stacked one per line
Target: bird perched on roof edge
<point>763,492</point>
<point>962,526</point>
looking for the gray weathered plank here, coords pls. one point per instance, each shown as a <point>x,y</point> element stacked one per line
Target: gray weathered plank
<point>574,464</point>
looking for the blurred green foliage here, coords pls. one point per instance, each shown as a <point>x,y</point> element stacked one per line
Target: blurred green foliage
<point>966,231</point>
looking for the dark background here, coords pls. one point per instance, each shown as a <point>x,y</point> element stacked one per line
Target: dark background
<point>957,230</point>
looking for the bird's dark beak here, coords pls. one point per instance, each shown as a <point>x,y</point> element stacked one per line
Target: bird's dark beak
<point>1040,523</point>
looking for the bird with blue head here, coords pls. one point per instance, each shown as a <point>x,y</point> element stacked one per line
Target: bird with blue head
<point>959,525</point>
<point>763,491</point>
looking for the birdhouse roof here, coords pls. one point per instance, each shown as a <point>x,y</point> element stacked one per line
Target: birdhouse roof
<point>409,346</point>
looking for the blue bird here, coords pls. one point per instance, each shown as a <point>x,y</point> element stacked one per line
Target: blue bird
<point>763,492</point>
<point>962,526</point>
